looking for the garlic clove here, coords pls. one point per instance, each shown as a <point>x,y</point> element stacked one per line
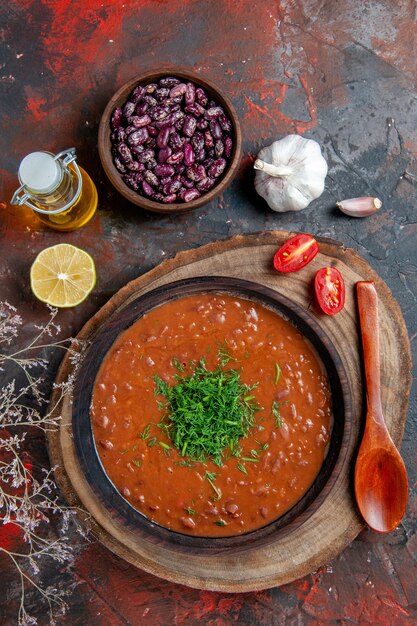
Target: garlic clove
<point>359,207</point>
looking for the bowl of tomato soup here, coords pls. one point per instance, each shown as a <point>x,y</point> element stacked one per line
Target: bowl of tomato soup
<point>211,411</point>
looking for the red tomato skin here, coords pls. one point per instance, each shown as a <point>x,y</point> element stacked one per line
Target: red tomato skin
<point>329,287</point>
<point>296,253</point>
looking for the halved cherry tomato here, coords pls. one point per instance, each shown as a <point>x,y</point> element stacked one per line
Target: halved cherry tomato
<point>296,253</point>
<point>330,290</point>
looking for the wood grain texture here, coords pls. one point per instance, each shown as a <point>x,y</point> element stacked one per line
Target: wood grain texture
<point>104,141</point>
<point>336,523</point>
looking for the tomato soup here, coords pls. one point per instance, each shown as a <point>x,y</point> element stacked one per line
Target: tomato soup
<point>255,480</point>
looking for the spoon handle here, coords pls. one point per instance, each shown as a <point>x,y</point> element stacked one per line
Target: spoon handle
<point>368,316</point>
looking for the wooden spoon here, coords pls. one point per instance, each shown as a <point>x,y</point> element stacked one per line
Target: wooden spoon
<point>381,483</point>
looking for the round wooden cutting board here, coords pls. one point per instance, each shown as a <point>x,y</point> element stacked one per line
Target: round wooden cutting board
<point>336,522</point>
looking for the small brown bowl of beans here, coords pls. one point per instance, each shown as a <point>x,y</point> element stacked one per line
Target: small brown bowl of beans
<point>170,141</point>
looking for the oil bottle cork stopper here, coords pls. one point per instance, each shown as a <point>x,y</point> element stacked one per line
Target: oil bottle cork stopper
<point>40,172</point>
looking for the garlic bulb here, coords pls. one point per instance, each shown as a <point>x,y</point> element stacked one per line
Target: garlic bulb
<point>291,173</point>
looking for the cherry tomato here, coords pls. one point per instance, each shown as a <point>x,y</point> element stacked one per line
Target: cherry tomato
<point>296,253</point>
<point>330,290</point>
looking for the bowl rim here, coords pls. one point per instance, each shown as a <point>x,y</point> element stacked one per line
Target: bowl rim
<point>84,441</point>
<point>104,142</point>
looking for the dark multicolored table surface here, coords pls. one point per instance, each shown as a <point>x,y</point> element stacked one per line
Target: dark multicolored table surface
<point>342,73</point>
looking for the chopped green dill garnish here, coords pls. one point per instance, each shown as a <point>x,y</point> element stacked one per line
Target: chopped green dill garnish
<point>161,386</point>
<point>246,355</point>
<point>247,458</point>
<point>134,447</point>
<point>265,446</point>
<point>276,413</point>
<point>220,522</point>
<point>161,405</point>
<point>176,363</point>
<point>211,477</point>
<point>185,463</point>
<point>242,468</point>
<point>207,412</point>
<point>145,432</point>
<point>254,453</point>
<point>152,442</point>
<point>278,373</point>
<point>190,511</point>
<point>125,451</point>
<point>137,463</point>
<point>166,448</point>
<point>223,356</point>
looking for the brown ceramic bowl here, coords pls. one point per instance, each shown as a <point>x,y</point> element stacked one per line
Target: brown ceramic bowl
<point>104,141</point>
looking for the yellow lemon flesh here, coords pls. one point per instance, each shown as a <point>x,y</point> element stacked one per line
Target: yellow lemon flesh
<point>62,275</point>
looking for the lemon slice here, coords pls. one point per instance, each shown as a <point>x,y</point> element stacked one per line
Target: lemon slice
<point>62,275</point>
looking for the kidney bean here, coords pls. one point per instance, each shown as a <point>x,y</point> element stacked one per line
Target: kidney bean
<point>133,166</point>
<point>179,168</point>
<point>178,116</point>
<point>168,81</point>
<point>163,136</point>
<point>208,139</point>
<point>124,152</point>
<point>151,178</point>
<point>158,197</point>
<point>189,126</point>
<point>159,112</point>
<point>151,164</point>
<point>189,155</point>
<point>119,135</point>
<point>116,118</point>
<point>217,168</point>
<point>201,155</point>
<point>131,182</point>
<point>153,132</point>
<point>196,172</point>
<point>187,521</point>
<point>169,199</point>
<point>129,109</point>
<point>210,153</point>
<point>228,145</point>
<point>119,165</point>
<point>137,94</point>
<point>197,141</point>
<point>202,123</point>
<point>151,87</point>
<point>172,187</point>
<point>139,121</point>
<point>213,112</point>
<point>161,93</point>
<point>218,148</point>
<point>264,511</point>
<point>163,154</point>
<point>205,184</point>
<point>201,96</point>
<point>108,445</point>
<point>216,129</point>
<point>225,123</point>
<point>139,136</point>
<point>130,129</point>
<point>189,194</point>
<point>186,182</point>
<point>164,170</point>
<point>146,155</point>
<point>175,157</point>
<point>150,100</point>
<point>137,149</point>
<point>189,94</point>
<point>147,189</point>
<point>141,108</point>
<point>175,141</point>
<point>231,508</point>
<point>195,109</point>
<point>151,143</point>
<point>178,90</point>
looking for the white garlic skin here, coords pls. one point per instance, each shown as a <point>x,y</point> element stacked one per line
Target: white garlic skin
<point>304,170</point>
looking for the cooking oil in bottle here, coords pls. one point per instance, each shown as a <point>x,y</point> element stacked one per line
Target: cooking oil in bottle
<point>60,192</point>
